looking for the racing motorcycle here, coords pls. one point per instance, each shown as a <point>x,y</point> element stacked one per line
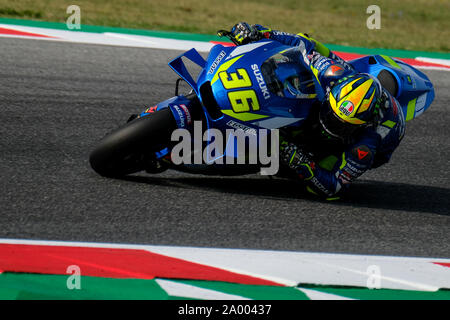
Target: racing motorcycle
<point>242,88</point>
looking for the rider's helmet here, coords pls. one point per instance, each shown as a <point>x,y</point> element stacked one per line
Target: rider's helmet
<point>353,103</point>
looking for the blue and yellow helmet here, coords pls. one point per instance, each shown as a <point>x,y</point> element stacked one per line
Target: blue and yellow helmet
<point>352,103</point>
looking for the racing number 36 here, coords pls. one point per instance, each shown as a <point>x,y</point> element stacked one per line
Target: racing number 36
<point>241,100</point>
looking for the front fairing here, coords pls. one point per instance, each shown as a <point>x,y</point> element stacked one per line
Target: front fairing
<point>241,92</point>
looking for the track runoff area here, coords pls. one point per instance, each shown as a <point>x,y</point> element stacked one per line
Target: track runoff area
<point>32,269</point>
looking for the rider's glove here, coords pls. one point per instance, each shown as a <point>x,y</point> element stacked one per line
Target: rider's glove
<point>244,33</point>
<point>293,156</point>
<point>297,159</point>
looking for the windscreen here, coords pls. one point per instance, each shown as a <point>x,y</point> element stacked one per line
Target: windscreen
<point>286,75</point>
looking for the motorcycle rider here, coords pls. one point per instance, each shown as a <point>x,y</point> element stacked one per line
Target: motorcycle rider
<point>355,125</point>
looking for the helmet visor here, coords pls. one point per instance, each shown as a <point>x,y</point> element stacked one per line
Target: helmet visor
<point>333,125</point>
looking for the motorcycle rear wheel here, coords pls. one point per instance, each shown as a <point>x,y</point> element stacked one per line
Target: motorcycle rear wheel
<point>127,149</point>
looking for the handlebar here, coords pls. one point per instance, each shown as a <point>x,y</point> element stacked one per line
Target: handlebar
<point>228,34</point>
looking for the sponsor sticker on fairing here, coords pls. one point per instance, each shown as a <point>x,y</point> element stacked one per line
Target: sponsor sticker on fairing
<point>184,116</point>
<point>216,62</point>
<point>151,109</point>
<point>261,82</point>
<point>237,125</point>
<point>187,113</point>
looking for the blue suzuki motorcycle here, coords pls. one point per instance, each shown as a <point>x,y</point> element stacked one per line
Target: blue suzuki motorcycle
<point>262,85</point>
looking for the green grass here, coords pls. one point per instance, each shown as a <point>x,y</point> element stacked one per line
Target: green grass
<point>421,25</point>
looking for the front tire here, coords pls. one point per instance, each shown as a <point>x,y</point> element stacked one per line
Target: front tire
<point>125,150</point>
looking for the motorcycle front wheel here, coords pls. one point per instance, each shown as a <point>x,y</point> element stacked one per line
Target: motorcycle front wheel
<point>127,149</point>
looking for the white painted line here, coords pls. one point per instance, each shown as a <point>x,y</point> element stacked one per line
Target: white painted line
<point>432,68</point>
<point>444,62</point>
<point>126,37</point>
<point>110,38</point>
<point>408,285</point>
<point>162,43</point>
<point>176,289</point>
<point>317,295</point>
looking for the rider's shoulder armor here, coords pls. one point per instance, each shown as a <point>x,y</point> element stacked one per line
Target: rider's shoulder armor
<point>392,120</point>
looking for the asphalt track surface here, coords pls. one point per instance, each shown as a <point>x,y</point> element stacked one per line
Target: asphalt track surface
<point>58,99</point>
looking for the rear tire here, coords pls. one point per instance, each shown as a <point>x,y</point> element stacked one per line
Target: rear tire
<point>125,150</point>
